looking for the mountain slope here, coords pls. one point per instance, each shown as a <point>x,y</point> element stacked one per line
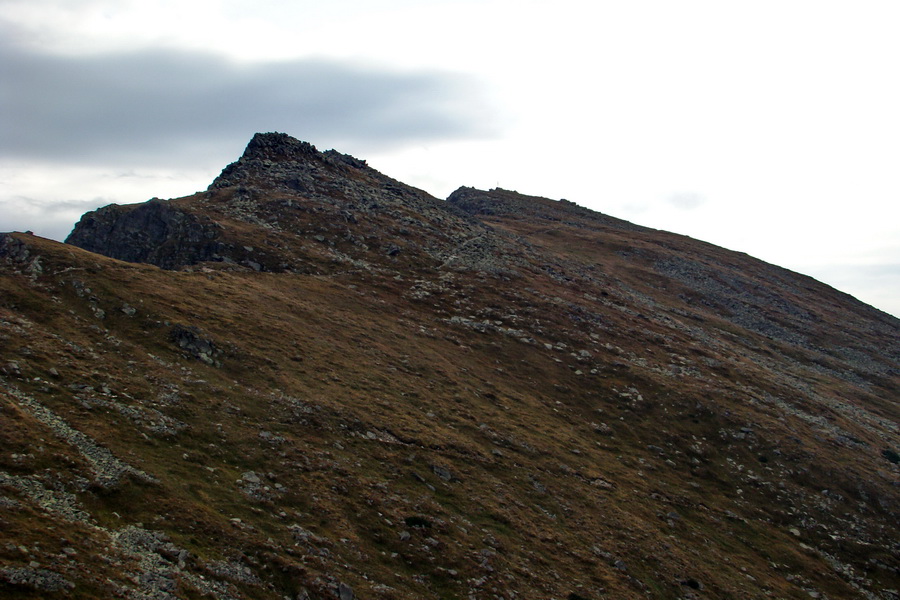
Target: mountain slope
<point>329,384</point>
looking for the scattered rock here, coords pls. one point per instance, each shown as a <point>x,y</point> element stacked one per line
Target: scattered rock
<point>442,472</point>
<point>12,369</point>
<point>251,477</point>
<point>17,254</point>
<point>35,578</point>
<point>345,592</point>
<point>190,340</point>
<point>108,469</point>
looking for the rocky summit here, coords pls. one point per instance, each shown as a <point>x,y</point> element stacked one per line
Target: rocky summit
<point>311,381</point>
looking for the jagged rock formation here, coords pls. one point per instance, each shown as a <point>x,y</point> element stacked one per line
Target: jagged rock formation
<point>338,386</point>
<point>330,207</point>
<point>156,232</point>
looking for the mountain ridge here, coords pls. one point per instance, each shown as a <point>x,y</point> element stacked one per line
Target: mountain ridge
<point>313,381</point>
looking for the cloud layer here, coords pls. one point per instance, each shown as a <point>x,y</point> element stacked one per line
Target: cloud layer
<point>153,103</point>
<point>78,131</point>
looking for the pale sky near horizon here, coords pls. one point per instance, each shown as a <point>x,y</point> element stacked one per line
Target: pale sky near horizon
<point>767,127</point>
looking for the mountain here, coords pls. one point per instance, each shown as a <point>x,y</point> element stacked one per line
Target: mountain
<point>314,381</point>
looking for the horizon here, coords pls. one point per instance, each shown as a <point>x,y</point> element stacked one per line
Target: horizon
<point>767,130</point>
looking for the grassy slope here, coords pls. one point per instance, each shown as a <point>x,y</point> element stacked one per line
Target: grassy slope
<point>666,456</point>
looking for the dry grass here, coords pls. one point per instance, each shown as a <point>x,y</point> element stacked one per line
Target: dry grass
<point>671,445</point>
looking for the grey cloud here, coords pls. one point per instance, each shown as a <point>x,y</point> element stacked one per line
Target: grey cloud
<point>166,105</point>
<point>48,218</point>
<point>686,200</point>
<point>24,202</point>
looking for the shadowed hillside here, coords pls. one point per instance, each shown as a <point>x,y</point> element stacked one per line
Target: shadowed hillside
<point>314,381</point>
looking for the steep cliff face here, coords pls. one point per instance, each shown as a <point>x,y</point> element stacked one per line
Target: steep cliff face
<point>339,386</point>
<point>155,232</point>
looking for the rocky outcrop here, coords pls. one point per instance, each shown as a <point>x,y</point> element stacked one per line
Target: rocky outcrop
<point>277,160</point>
<point>336,209</point>
<point>263,155</point>
<point>155,232</point>
<point>15,253</point>
<point>193,344</point>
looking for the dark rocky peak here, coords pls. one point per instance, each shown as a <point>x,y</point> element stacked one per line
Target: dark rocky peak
<point>285,206</point>
<point>277,160</point>
<point>278,146</point>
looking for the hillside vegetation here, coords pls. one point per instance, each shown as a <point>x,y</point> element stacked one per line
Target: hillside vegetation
<point>313,381</point>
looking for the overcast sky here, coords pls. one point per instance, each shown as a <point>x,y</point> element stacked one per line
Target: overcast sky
<point>769,127</point>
